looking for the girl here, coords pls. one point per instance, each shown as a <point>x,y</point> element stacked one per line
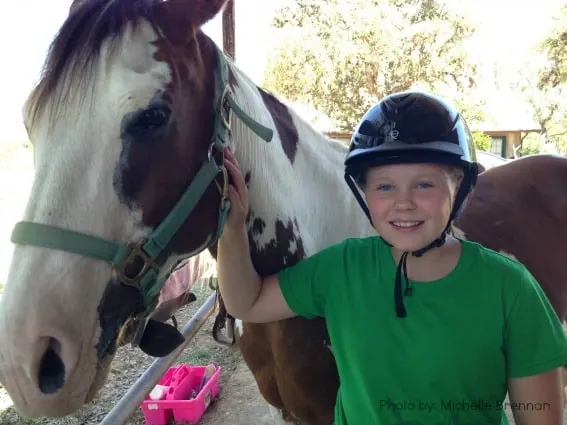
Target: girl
<point>425,328</point>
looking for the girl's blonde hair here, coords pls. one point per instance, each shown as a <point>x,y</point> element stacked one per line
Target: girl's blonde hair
<point>456,174</point>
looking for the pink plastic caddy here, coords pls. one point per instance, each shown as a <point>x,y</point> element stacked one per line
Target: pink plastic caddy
<point>186,394</point>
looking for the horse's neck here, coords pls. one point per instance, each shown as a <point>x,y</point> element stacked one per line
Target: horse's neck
<point>307,195</point>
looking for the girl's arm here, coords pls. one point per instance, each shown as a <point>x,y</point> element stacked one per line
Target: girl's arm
<point>246,295</point>
<point>537,399</point>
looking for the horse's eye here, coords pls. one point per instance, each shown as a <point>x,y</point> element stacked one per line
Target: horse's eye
<point>149,121</point>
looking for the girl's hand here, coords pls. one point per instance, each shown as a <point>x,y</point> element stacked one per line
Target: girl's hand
<point>237,192</point>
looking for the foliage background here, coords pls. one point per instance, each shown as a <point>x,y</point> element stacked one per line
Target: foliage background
<point>341,56</point>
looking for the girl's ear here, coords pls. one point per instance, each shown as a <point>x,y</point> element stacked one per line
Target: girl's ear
<point>455,180</point>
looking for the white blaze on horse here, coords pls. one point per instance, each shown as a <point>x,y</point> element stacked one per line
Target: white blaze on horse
<point>129,123</point>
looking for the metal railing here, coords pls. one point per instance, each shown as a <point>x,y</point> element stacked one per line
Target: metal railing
<point>132,400</point>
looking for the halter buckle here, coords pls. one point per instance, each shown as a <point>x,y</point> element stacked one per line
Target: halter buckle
<point>225,111</point>
<point>137,253</point>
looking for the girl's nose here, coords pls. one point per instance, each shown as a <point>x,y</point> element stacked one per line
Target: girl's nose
<point>404,200</point>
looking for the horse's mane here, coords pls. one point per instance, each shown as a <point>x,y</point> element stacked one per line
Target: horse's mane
<point>78,43</point>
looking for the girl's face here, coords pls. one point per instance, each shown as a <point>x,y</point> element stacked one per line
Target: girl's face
<point>410,204</point>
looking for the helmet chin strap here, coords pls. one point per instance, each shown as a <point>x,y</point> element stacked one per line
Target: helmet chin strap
<point>401,271</point>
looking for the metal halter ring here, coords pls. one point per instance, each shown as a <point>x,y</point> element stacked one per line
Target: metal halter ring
<point>147,263</point>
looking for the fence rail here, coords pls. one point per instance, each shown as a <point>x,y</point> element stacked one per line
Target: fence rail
<point>137,392</point>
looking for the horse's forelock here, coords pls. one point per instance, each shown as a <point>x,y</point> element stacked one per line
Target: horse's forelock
<point>73,52</point>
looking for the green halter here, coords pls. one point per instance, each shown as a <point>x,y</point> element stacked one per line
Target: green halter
<point>120,255</point>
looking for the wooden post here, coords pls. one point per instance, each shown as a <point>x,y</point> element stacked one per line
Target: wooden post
<point>228,29</point>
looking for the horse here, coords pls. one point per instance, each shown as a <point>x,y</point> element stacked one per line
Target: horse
<point>129,123</point>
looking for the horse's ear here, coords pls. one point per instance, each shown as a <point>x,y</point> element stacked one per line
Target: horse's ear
<point>205,10</point>
<point>185,17</point>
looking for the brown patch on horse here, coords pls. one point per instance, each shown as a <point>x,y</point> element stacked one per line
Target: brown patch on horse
<point>171,159</point>
<point>185,18</point>
<point>280,353</point>
<point>257,226</point>
<point>278,253</point>
<point>284,124</point>
<point>504,213</point>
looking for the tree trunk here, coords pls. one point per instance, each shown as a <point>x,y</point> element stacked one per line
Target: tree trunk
<point>228,30</point>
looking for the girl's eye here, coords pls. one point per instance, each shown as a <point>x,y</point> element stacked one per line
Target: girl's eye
<point>384,187</point>
<point>424,185</point>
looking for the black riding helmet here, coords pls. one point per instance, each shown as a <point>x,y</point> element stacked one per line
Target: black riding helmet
<point>412,127</point>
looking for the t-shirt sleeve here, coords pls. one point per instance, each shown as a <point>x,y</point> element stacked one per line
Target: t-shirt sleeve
<point>535,341</point>
<point>306,286</point>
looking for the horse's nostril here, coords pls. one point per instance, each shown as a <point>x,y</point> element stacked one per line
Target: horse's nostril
<point>51,370</point>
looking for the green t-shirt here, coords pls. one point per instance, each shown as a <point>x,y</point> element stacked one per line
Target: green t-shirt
<point>448,361</point>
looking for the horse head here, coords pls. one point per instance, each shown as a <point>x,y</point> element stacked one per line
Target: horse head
<point>129,123</point>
